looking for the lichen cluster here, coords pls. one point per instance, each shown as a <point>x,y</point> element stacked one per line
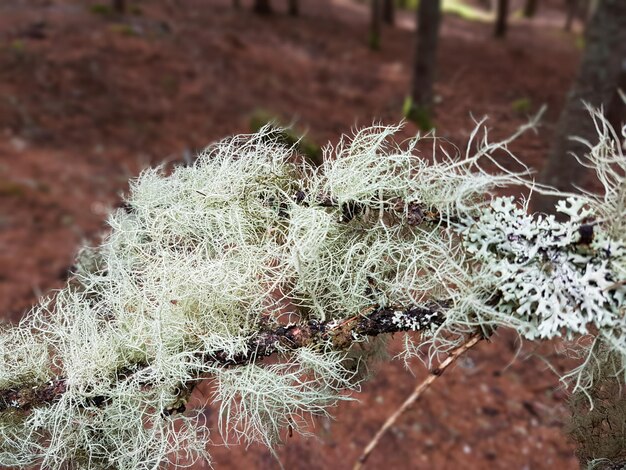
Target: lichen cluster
<point>555,277</point>
<point>249,238</point>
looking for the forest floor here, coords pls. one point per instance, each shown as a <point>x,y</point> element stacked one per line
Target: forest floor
<point>87,100</point>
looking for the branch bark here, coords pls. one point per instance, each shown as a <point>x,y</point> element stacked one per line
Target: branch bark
<point>339,334</point>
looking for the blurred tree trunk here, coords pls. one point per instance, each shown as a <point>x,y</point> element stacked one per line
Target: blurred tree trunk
<point>587,11</point>
<point>375,24</point>
<point>389,11</point>
<point>424,65</point>
<point>294,8</point>
<point>572,9</point>
<point>530,8</point>
<point>502,15</point>
<point>600,70</point>
<point>262,7</point>
<point>616,112</point>
<point>236,4</point>
<point>119,6</point>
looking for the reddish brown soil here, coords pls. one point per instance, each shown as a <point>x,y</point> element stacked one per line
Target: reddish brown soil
<point>87,101</point>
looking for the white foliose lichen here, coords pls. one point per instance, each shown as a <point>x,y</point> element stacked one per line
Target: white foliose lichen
<point>544,272</point>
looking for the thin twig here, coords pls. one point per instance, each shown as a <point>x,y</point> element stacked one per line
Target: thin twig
<point>417,393</point>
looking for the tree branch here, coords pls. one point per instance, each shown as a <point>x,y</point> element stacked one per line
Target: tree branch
<point>339,334</point>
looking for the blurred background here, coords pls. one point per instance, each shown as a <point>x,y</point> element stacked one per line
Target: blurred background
<point>92,92</point>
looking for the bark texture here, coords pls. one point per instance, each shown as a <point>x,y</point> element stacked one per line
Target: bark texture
<point>338,334</point>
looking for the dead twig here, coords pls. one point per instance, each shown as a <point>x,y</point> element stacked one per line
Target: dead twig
<point>417,393</point>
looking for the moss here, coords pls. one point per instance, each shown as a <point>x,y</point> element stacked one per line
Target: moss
<point>103,9</point>
<point>11,189</point>
<point>135,10</point>
<point>287,135</point>
<point>373,41</point>
<point>123,29</point>
<point>517,14</point>
<point>458,8</point>
<point>18,46</point>
<point>521,105</point>
<point>467,12</point>
<point>419,115</point>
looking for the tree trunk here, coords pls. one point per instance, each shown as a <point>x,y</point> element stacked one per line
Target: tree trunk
<point>426,41</point>
<point>530,8</point>
<point>236,4</point>
<point>294,8</point>
<point>502,15</point>
<point>572,9</point>
<point>375,24</point>
<point>616,111</point>
<point>119,6</point>
<point>262,7</point>
<point>389,11</point>
<point>600,69</point>
<point>587,10</point>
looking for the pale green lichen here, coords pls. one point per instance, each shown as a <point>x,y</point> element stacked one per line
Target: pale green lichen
<point>258,402</point>
<point>250,238</point>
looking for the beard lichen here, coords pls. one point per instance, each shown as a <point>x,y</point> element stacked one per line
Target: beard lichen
<point>249,238</point>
